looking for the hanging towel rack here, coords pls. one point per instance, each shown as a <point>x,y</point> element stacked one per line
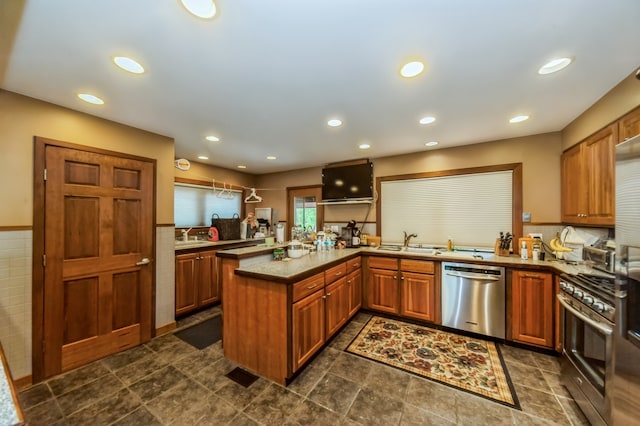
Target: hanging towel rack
<point>253,197</point>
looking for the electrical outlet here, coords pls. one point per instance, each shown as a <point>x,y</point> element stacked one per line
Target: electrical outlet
<point>526,216</point>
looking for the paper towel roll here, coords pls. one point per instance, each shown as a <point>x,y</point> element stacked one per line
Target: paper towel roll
<point>280,233</point>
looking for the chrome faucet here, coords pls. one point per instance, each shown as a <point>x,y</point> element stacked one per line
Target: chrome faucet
<point>407,238</point>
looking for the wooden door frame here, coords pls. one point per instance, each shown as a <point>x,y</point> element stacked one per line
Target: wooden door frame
<point>290,209</point>
<point>37,268</point>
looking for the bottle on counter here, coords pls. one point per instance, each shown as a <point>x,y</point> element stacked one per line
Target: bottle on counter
<point>450,244</point>
<point>524,252</point>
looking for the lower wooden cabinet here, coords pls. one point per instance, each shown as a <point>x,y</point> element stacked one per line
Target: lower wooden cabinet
<point>337,306</point>
<point>307,327</point>
<point>354,288</point>
<point>418,296</point>
<point>196,281</point>
<point>532,303</point>
<point>382,291</point>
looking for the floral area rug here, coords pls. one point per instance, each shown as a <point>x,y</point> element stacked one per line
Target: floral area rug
<point>462,362</point>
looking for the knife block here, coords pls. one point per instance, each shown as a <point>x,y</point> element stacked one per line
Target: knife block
<point>500,251</point>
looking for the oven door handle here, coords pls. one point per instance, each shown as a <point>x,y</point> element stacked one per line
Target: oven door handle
<point>598,326</point>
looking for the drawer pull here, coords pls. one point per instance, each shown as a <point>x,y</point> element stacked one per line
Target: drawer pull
<point>356,265</point>
<point>338,273</point>
<point>312,286</point>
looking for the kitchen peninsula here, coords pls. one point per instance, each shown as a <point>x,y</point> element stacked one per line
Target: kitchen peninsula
<point>278,314</point>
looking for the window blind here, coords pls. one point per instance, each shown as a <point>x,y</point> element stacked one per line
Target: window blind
<point>194,204</point>
<point>471,209</point>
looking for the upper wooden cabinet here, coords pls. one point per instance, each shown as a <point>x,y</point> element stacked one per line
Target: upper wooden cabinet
<point>629,125</point>
<point>588,185</point>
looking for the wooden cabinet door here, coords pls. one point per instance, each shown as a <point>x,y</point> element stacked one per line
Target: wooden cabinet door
<point>574,186</point>
<point>337,306</point>
<point>629,125</point>
<point>208,285</point>
<point>599,152</point>
<point>186,276</point>
<point>382,291</point>
<point>532,304</point>
<point>354,288</point>
<point>307,327</point>
<point>417,296</point>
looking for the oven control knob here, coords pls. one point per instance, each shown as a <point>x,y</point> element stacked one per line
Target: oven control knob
<point>569,289</point>
<point>587,300</point>
<point>563,285</point>
<point>577,294</point>
<point>599,306</point>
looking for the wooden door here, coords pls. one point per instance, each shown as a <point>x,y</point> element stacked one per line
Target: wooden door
<point>417,296</point>
<point>186,282</point>
<point>629,125</point>
<point>209,290</point>
<point>307,323</point>
<point>600,158</point>
<point>336,306</point>
<point>98,242</point>
<point>382,291</point>
<point>574,186</point>
<point>532,308</point>
<point>354,287</point>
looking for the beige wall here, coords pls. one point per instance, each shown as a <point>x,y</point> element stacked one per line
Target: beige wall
<point>539,154</point>
<point>22,118</point>
<point>617,102</point>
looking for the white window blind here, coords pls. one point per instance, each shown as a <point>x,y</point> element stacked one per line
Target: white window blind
<point>194,205</point>
<point>471,209</point>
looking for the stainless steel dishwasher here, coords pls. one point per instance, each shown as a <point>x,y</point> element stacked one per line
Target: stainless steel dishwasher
<point>473,298</point>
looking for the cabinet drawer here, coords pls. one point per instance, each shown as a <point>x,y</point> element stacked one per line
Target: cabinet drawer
<point>307,286</point>
<point>423,266</point>
<point>338,271</point>
<point>383,263</point>
<point>354,264</point>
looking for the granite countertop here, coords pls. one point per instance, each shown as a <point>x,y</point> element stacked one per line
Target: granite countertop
<point>191,244</point>
<point>10,413</point>
<point>292,270</point>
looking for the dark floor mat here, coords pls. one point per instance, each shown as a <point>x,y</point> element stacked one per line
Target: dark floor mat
<point>242,377</point>
<point>203,334</point>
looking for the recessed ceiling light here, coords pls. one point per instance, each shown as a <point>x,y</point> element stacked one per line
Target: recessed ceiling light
<point>334,122</point>
<point>90,98</point>
<point>205,9</point>
<point>203,157</point>
<point>519,118</point>
<point>364,146</point>
<point>128,64</point>
<point>242,166</point>
<point>412,69</point>
<point>213,139</point>
<point>427,120</point>
<point>271,157</point>
<point>432,143</point>
<point>554,65</point>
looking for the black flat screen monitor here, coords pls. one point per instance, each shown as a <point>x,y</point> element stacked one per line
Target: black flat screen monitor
<point>349,182</point>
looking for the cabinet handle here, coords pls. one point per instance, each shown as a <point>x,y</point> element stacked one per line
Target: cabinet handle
<point>348,281</point>
<point>402,277</point>
<point>312,286</point>
<point>395,277</point>
<point>531,276</point>
<point>338,273</point>
<point>356,265</point>
<point>327,295</point>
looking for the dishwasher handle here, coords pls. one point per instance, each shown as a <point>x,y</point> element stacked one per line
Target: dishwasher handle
<point>473,277</point>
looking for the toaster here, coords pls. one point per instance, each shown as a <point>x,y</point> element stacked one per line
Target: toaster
<point>603,259</point>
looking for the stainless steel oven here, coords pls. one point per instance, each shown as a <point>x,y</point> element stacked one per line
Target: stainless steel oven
<point>587,315</point>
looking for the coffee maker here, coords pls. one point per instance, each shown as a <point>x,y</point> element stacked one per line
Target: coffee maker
<point>351,234</point>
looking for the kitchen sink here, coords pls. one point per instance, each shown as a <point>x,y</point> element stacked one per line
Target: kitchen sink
<point>390,248</point>
<point>191,243</point>
<point>421,250</point>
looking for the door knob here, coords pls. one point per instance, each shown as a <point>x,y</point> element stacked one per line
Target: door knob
<point>144,261</point>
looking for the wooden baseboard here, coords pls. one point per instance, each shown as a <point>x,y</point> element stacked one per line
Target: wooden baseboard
<point>166,328</point>
<point>23,382</point>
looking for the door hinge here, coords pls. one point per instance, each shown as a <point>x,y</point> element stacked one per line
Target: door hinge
<point>44,260</point>
<point>45,174</point>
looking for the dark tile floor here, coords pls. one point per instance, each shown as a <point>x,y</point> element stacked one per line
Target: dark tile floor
<point>169,382</point>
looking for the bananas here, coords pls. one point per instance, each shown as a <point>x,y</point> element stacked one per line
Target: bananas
<point>557,246</point>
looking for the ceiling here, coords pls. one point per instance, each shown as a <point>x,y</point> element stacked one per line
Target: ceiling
<point>265,76</point>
